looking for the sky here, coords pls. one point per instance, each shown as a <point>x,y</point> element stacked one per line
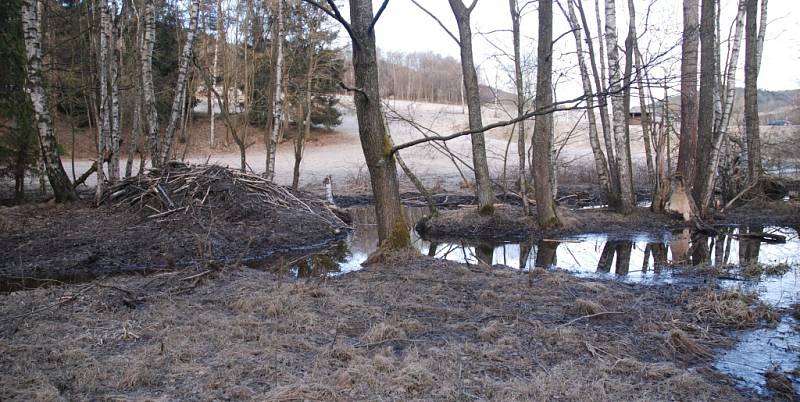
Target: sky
<point>404,27</point>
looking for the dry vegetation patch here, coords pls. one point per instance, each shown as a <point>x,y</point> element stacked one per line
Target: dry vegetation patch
<point>413,329</point>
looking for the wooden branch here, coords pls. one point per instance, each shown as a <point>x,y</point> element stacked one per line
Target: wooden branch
<point>334,13</point>
<point>377,15</point>
<point>438,21</point>
<point>351,89</point>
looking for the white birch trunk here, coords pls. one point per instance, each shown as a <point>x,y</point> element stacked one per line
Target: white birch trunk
<point>115,51</point>
<point>59,181</point>
<point>621,147</point>
<point>277,102</point>
<point>148,92</point>
<point>180,85</point>
<point>211,99</point>
<point>104,128</point>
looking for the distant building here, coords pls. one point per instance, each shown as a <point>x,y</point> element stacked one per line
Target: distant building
<point>779,122</point>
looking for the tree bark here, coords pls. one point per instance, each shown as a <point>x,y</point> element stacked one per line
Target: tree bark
<point>104,126</point>
<point>277,101</point>
<point>180,86</point>
<point>687,147</point>
<point>708,87</point>
<point>600,163</point>
<point>115,52</point>
<point>212,114</point>
<point>543,125</point>
<point>483,183</point>
<point>148,91</point>
<point>626,199</point>
<point>520,86</point>
<point>751,66</point>
<point>59,181</point>
<point>392,228</point>
<point>721,131</point>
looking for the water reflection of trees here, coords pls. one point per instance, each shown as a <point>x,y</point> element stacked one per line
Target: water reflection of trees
<point>322,263</point>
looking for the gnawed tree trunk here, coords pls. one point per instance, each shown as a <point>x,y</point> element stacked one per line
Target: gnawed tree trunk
<point>600,163</point>
<point>543,125</point>
<point>622,151</point>
<point>721,130</point>
<point>708,89</point>
<point>59,181</point>
<point>180,86</point>
<point>483,183</point>
<point>148,91</point>
<point>520,86</point>
<point>277,101</point>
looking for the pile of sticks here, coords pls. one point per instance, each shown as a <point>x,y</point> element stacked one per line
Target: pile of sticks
<point>187,188</point>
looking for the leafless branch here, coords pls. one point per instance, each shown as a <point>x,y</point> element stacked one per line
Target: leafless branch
<point>438,21</point>
<point>377,15</point>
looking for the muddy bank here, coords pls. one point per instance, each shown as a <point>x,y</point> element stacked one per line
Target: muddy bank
<point>214,222</point>
<point>763,212</point>
<point>415,328</point>
<point>509,223</point>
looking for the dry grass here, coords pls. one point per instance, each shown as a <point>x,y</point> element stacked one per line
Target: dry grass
<point>728,308</point>
<point>418,329</point>
<point>780,384</point>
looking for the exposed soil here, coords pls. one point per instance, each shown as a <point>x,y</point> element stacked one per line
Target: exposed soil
<point>227,222</point>
<point>413,328</point>
<point>763,212</point>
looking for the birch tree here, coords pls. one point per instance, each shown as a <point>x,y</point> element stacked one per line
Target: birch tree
<point>115,52</point>
<point>104,113</point>
<point>622,150</point>
<point>148,91</point>
<point>35,88</point>
<point>277,101</point>
<point>180,86</point>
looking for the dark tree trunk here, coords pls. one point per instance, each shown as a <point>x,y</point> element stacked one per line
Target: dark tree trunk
<point>751,67</point>
<point>689,103</point>
<point>708,80</point>
<point>483,184</point>
<point>375,141</point>
<point>543,125</point>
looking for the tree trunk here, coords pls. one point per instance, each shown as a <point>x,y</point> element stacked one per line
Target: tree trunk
<point>543,125</point>
<point>752,46</point>
<point>483,183</point>
<point>520,86</point>
<point>626,200</point>
<point>708,87</point>
<point>375,141</point>
<point>180,85</point>
<point>721,131</point>
<point>115,52</point>
<point>104,126</point>
<point>600,163</point>
<point>59,181</point>
<point>148,91</point>
<point>277,101</point>
<point>687,147</point>
<point>212,140</point>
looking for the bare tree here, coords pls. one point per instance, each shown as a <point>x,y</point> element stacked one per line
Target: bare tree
<point>689,100</point>
<point>375,141</point>
<point>277,100</point>
<point>622,150</point>
<point>148,91</point>
<point>31,26</point>
<point>483,184</point>
<point>519,83</point>
<point>543,125</point>
<point>708,91</point>
<point>753,43</point>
